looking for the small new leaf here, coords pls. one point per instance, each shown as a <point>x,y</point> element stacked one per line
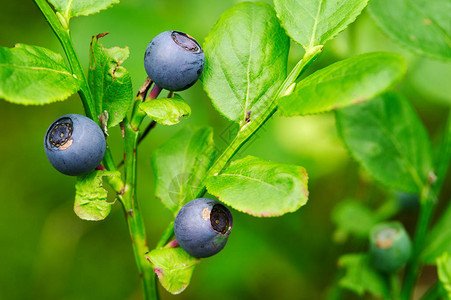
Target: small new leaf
<point>422,26</point>
<point>180,165</point>
<point>166,111</point>
<point>75,8</point>
<point>313,22</point>
<point>245,60</point>
<point>174,268</point>
<point>110,83</point>
<point>32,75</point>
<point>261,188</point>
<point>90,196</point>
<point>387,138</point>
<point>361,277</point>
<point>347,82</point>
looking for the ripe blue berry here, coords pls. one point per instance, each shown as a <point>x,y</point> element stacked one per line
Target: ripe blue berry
<point>202,227</point>
<point>174,60</point>
<point>74,144</point>
<point>390,246</point>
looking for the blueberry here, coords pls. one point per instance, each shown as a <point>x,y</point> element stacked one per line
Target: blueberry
<point>202,227</point>
<point>74,144</point>
<point>390,246</point>
<point>174,60</point>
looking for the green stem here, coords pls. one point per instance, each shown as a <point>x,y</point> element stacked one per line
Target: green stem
<point>129,200</point>
<point>63,34</point>
<point>250,128</point>
<point>134,218</point>
<point>413,269</point>
<point>394,286</point>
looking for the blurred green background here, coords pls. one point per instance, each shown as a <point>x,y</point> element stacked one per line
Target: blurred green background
<point>46,252</point>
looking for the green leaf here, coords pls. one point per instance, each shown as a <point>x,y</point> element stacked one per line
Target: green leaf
<point>90,196</point>
<point>439,239</point>
<point>361,277</point>
<point>386,137</point>
<point>444,272</point>
<point>75,8</point>
<point>246,60</point>
<point>110,83</point>
<point>261,188</point>
<point>313,22</point>
<point>166,111</point>
<point>344,83</point>
<point>173,267</point>
<point>352,218</point>
<point>180,165</point>
<point>421,25</point>
<point>32,75</point>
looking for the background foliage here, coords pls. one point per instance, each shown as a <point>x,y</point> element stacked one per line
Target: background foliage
<point>49,253</point>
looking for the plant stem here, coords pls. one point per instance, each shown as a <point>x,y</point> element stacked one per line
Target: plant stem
<point>394,286</point>
<point>129,200</point>
<point>427,201</point>
<point>133,215</point>
<point>250,128</point>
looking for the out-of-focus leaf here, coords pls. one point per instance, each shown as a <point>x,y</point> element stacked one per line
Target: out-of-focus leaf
<point>32,75</point>
<point>344,83</point>
<point>387,138</point>
<point>444,272</point>
<point>110,83</point>
<point>246,60</point>
<point>261,188</point>
<point>439,240</point>
<point>352,218</point>
<point>75,8</point>
<point>421,25</point>
<point>180,164</point>
<point>313,22</point>
<point>174,268</point>
<point>166,111</point>
<point>90,196</point>
<point>361,277</point>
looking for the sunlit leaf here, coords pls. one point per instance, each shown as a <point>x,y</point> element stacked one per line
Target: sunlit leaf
<point>246,60</point>
<point>344,83</point>
<point>110,83</point>
<point>166,111</point>
<point>90,196</point>
<point>174,268</point>
<point>313,22</point>
<point>261,188</point>
<point>32,75</point>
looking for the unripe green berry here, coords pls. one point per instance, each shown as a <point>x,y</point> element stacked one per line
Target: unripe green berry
<point>390,246</point>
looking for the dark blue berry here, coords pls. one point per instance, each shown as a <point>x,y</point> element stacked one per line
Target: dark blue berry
<point>74,144</point>
<point>174,60</point>
<point>202,227</point>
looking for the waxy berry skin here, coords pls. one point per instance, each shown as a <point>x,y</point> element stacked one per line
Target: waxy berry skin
<point>74,144</point>
<point>202,227</point>
<point>174,60</point>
